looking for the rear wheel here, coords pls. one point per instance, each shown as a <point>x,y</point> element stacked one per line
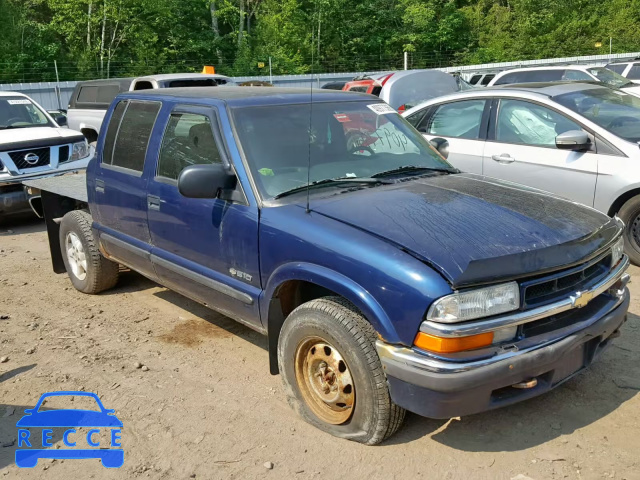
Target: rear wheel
<point>88,270</point>
<point>332,372</point>
<point>630,215</point>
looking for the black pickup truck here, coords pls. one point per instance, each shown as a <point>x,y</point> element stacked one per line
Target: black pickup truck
<point>384,278</point>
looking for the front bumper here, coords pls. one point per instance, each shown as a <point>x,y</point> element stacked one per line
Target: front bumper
<point>438,388</point>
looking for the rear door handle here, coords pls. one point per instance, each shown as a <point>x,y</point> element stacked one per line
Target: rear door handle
<point>503,158</point>
<point>100,186</point>
<point>153,202</point>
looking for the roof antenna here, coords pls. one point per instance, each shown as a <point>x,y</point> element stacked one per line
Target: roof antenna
<point>310,123</point>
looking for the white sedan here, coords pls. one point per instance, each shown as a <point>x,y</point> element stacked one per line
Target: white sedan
<point>577,140</point>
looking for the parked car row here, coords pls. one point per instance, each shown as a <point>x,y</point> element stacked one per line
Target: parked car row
<point>90,99</point>
<point>386,280</point>
<point>388,277</point>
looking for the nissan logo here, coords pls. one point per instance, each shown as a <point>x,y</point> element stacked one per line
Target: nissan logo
<point>31,158</point>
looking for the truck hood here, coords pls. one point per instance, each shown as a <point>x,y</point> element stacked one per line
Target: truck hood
<point>475,229</point>
<point>18,135</point>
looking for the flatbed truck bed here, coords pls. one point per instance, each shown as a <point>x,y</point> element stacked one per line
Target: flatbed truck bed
<point>59,194</point>
<point>72,185</point>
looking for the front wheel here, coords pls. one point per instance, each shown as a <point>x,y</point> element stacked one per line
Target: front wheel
<point>630,215</point>
<point>88,270</point>
<point>332,373</point>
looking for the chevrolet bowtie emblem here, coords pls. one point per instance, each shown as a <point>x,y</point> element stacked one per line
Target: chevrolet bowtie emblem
<point>580,299</point>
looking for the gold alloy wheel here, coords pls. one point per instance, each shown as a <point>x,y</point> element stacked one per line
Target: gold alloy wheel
<point>325,380</point>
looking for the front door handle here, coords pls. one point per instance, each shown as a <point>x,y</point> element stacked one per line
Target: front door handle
<point>100,186</point>
<point>153,202</point>
<point>503,158</point>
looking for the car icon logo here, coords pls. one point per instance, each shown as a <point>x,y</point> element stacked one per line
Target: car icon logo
<point>32,446</point>
<point>31,158</point>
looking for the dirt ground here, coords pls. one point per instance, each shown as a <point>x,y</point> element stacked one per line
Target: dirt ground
<point>207,407</point>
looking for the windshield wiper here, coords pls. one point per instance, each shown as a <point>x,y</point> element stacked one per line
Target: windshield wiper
<point>332,181</point>
<point>10,127</point>
<point>413,168</point>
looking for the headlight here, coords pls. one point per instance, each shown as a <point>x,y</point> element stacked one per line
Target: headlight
<point>80,151</point>
<point>482,302</point>
<point>617,251</point>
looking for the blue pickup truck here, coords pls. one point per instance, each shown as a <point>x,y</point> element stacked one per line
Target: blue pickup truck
<point>385,279</point>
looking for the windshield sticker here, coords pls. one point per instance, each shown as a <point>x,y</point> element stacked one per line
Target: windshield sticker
<point>381,108</point>
<point>266,172</point>
<point>19,102</point>
<point>342,117</point>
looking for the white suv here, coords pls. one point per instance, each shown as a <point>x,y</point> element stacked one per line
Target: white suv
<point>32,145</point>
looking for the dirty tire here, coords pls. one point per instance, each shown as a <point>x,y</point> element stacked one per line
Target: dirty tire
<point>335,320</point>
<point>101,274</point>
<point>630,215</point>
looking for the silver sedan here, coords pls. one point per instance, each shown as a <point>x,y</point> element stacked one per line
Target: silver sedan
<point>578,140</point>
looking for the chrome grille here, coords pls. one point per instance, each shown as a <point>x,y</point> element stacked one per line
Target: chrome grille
<point>20,158</point>
<point>551,288</point>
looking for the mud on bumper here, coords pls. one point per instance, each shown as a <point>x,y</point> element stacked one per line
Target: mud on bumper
<point>421,388</point>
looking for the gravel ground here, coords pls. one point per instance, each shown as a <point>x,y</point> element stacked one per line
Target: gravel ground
<point>197,401</point>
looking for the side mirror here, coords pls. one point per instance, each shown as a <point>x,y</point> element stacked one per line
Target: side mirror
<point>205,181</point>
<point>61,120</point>
<point>441,145</point>
<point>573,140</point>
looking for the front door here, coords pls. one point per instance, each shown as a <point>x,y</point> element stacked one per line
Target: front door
<point>521,148</point>
<point>461,124</point>
<point>207,249</point>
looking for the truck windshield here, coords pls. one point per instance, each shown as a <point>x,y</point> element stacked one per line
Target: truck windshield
<point>613,110</point>
<point>20,112</point>
<point>341,140</point>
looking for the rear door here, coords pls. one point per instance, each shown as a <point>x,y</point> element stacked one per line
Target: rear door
<point>120,185</point>
<point>463,124</point>
<point>206,249</point>
<point>521,148</point>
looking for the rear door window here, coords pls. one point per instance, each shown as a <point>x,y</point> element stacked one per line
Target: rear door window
<point>188,140</point>
<point>132,139</point>
<point>475,79</point>
<point>112,131</point>
<point>457,120</point>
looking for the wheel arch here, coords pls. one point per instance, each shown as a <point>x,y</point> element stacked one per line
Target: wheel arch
<point>293,285</point>
<point>90,133</point>
<point>621,200</point>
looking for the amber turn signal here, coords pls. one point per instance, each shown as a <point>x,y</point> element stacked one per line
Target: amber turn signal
<point>432,343</point>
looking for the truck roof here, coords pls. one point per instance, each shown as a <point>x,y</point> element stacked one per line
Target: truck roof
<point>180,76</point>
<point>11,94</point>
<point>241,96</point>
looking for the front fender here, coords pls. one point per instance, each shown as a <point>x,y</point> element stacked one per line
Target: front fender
<point>336,282</point>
